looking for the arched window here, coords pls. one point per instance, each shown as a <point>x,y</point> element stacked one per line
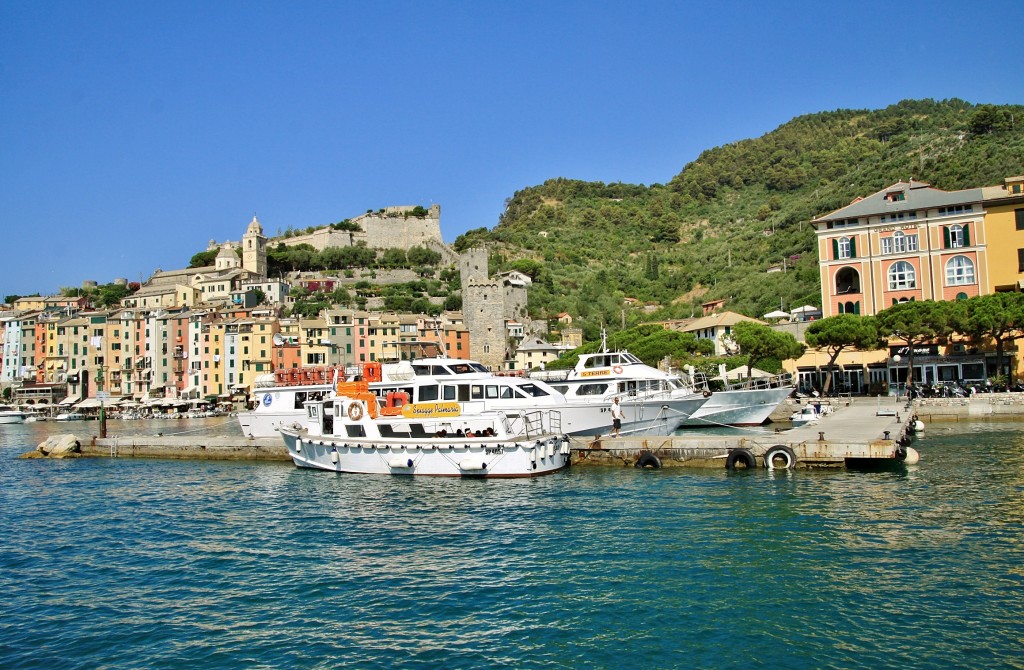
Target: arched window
<point>902,276</point>
<point>959,271</point>
<point>961,296</point>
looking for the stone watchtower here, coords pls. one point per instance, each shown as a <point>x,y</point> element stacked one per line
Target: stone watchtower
<point>483,309</point>
<point>254,249</point>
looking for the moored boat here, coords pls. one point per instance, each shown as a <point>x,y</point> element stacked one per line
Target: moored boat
<point>804,416</point>
<point>349,432</point>
<point>655,402</point>
<point>647,412</point>
<point>748,402</point>
<point>10,414</point>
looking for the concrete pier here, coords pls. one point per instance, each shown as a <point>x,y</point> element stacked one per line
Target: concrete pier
<point>857,431</point>
<point>195,447</point>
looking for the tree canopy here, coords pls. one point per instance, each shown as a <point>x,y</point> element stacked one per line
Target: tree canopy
<point>759,342</point>
<point>837,333</point>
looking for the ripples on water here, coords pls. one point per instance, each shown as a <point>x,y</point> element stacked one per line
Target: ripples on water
<point>168,564</point>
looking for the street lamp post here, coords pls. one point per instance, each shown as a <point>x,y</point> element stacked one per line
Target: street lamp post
<point>896,359</point>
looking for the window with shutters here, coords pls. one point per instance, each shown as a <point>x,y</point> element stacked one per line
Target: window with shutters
<point>1019,214</point>
<point>843,248</point>
<point>956,236</point>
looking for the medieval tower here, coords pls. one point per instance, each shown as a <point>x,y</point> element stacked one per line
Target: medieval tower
<point>254,249</point>
<point>487,305</point>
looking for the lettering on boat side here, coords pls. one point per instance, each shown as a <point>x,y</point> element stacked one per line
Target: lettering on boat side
<point>494,450</point>
<point>595,373</point>
<point>422,410</point>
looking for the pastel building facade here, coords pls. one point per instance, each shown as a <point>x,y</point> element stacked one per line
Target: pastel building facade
<point>912,241</point>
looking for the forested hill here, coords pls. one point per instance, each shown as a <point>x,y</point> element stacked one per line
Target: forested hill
<point>714,229</point>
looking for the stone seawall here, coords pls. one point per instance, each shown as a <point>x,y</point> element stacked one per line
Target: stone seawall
<point>1001,406</point>
<point>196,447</point>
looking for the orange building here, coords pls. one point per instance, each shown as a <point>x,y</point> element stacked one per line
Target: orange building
<point>907,242</point>
<point>915,242</point>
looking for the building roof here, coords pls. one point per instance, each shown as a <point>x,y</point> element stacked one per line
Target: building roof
<point>537,344</point>
<point>714,320</point>
<point>915,195</point>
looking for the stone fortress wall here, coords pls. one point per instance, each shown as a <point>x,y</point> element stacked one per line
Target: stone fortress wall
<point>379,230</point>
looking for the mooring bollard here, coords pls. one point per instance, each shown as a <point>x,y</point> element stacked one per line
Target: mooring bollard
<point>821,436</point>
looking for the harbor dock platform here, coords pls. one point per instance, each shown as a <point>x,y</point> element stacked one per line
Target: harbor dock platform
<point>858,431</point>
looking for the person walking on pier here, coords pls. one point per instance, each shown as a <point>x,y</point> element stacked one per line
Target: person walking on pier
<point>617,416</point>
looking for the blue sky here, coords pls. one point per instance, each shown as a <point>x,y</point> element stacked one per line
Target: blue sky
<point>132,133</point>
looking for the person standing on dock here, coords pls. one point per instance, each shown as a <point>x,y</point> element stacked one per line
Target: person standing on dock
<point>616,417</point>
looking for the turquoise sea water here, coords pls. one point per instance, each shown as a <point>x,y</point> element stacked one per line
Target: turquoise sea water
<point>130,563</point>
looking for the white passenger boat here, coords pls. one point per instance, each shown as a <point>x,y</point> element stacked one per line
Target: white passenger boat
<point>450,379</point>
<point>655,400</point>
<point>349,432</point>
<point>742,403</point>
<point>10,414</point>
<point>69,416</point>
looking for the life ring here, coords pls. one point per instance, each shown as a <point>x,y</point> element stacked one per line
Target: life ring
<point>647,459</point>
<point>617,369</point>
<point>707,394</point>
<point>779,451</point>
<point>355,411</point>
<point>740,456</point>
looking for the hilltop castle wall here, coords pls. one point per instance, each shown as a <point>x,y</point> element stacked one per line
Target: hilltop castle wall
<point>379,230</point>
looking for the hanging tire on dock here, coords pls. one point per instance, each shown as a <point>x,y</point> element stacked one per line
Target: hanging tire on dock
<point>780,456</point>
<point>648,460</point>
<point>740,458</point>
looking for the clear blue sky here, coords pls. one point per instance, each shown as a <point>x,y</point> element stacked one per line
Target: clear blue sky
<point>132,133</point>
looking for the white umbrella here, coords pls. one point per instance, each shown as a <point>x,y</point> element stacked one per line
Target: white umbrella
<point>806,309</point>
<point>777,314</point>
<point>741,373</point>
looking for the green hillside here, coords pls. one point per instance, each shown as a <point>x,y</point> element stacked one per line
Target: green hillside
<point>714,229</point>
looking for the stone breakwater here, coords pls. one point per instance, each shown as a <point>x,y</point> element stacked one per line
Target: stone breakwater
<point>192,447</point>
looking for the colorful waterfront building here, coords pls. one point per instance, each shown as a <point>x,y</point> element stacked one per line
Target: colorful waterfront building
<point>910,242</point>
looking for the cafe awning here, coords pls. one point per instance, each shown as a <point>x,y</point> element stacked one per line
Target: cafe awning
<point>70,400</point>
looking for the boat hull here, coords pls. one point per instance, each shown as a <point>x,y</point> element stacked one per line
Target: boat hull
<point>648,417</point>
<point>459,457</point>
<point>741,407</point>
<point>15,417</point>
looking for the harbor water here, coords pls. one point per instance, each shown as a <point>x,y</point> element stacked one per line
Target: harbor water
<point>133,563</point>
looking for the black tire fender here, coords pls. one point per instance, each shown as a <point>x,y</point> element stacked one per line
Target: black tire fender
<point>648,460</point>
<point>740,457</point>
<point>777,453</point>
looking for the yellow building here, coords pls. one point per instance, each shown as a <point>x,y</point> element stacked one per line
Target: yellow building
<point>1004,220</point>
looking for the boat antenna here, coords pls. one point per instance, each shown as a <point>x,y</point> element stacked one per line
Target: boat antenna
<point>604,341</point>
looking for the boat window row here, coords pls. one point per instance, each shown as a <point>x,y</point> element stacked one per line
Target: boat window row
<point>432,370</point>
<point>467,392</point>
